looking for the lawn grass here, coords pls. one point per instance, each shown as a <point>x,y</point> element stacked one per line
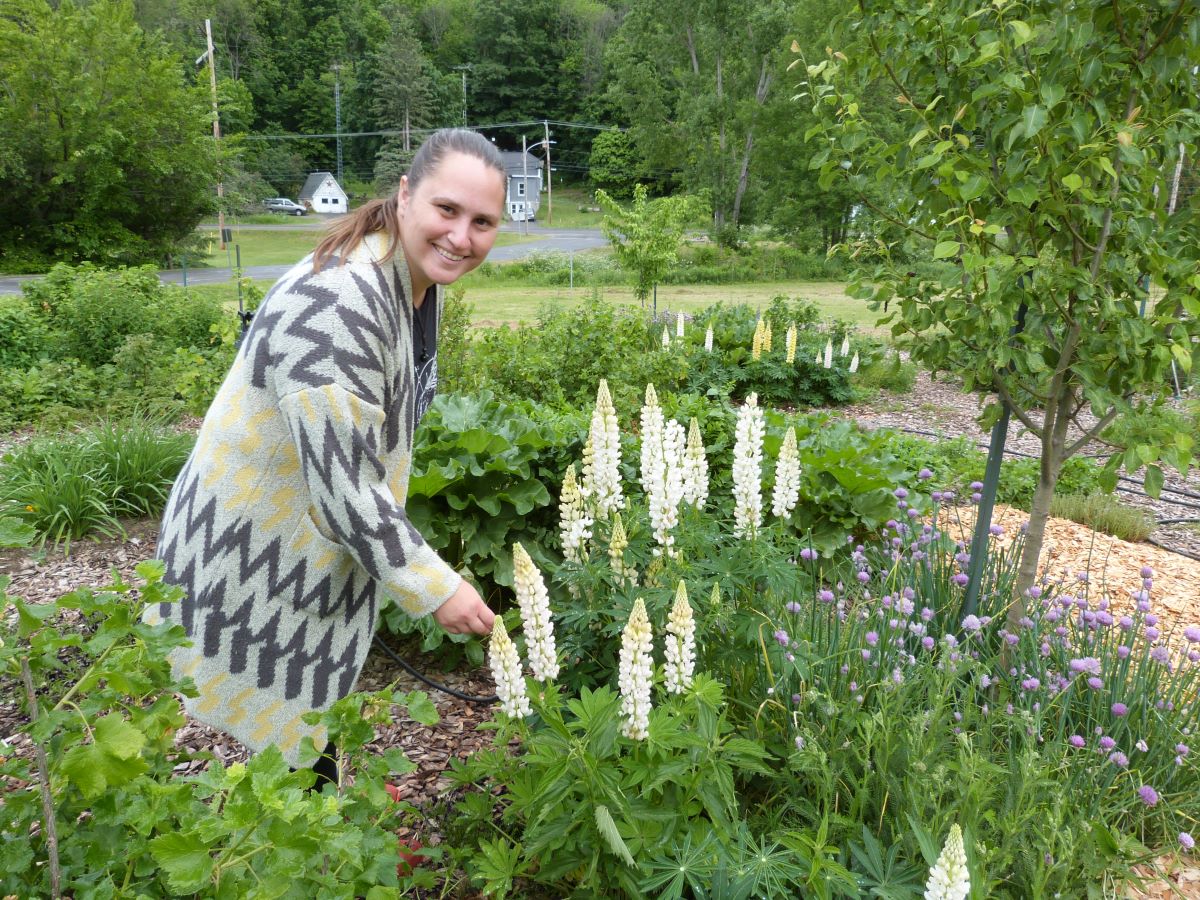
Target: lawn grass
<point>277,248</point>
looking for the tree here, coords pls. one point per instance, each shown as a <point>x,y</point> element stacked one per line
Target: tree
<point>614,163</point>
<point>646,234</point>
<point>1040,137</point>
<point>105,153</point>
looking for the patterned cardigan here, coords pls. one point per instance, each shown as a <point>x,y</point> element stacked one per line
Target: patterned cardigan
<point>286,528</point>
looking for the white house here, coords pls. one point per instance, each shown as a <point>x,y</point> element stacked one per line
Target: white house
<point>523,194</point>
<point>321,193</point>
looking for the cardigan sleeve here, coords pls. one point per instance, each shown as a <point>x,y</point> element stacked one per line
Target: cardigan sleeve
<point>336,434</point>
<point>328,358</point>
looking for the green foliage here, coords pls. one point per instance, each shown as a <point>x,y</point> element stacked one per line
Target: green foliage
<point>614,163</point>
<point>645,235</point>
<point>106,153</point>
<point>1044,192</point>
<point>126,823</point>
<point>454,342</point>
<point>1104,513</point>
<point>67,488</point>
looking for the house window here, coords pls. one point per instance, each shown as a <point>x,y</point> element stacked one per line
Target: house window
<point>336,201</point>
<point>324,199</point>
<point>520,188</point>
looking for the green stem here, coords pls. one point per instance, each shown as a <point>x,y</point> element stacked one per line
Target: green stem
<point>82,681</point>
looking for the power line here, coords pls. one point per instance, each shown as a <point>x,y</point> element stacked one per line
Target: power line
<point>398,132</point>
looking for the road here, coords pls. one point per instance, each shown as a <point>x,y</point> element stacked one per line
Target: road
<point>543,239</point>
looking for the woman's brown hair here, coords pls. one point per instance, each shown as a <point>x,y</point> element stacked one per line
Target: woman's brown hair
<point>381,215</point>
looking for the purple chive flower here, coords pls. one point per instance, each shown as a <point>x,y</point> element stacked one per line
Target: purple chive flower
<point>977,485</point>
<point>996,531</point>
<point>971,623</point>
<point>936,496</point>
<point>1082,577</point>
<point>1095,682</point>
<point>1192,633</point>
<point>1147,572</point>
<point>782,637</point>
<point>1119,709</point>
<point>960,579</point>
<point>1088,664</point>
<point>1148,795</point>
<point>866,654</point>
<point>1077,741</point>
<point>1186,841</point>
<point>925,474</point>
<point>796,698</point>
<point>1142,746</point>
<point>976,497</point>
<point>1031,684</point>
<point>1122,651</point>
<point>1107,743</point>
<point>1126,623</point>
<point>1161,655</point>
<point>1182,749</point>
<point>1118,759</point>
<point>872,638</point>
<point>927,642</point>
<point>807,554</point>
<point>825,596</point>
<point>1152,633</point>
<point>863,577</point>
<point>794,607</point>
<point>1034,592</point>
<point>1151,619</point>
<point>1011,639</point>
<point>900,493</point>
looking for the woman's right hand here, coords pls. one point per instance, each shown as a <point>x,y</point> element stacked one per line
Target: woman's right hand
<point>465,612</point>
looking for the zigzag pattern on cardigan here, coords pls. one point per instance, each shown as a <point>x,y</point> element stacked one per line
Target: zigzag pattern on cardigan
<point>286,528</point>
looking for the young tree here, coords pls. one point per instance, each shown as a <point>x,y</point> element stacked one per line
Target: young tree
<point>1042,140</point>
<point>646,234</point>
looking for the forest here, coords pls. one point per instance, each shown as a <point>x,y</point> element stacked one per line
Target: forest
<point>106,123</point>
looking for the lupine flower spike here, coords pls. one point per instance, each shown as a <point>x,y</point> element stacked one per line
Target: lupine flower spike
<point>747,469</point>
<point>845,346</point>
<point>575,526</point>
<point>695,468</point>
<point>949,879</point>
<point>679,325</point>
<point>787,477</point>
<point>506,670</point>
<point>766,337</point>
<point>662,469</point>
<point>535,614</point>
<point>635,672</point>
<point>828,361</point>
<point>602,469</point>
<point>616,553</point>
<point>708,339</point>
<point>666,338</point>
<point>818,359</point>
<point>854,363</point>
<point>756,344</point>
<point>790,344</point>
<point>681,644</point>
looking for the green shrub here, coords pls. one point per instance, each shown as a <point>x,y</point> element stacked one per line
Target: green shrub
<point>23,333</point>
<point>69,487</point>
<point>1104,513</point>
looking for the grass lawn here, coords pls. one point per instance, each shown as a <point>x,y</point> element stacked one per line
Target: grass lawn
<point>277,248</point>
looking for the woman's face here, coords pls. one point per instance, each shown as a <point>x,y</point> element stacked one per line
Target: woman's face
<point>448,222</point>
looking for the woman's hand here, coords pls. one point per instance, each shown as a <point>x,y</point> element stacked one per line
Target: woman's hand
<point>465,612</point>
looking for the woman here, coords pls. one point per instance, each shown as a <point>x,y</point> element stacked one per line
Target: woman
<point>286,527</point>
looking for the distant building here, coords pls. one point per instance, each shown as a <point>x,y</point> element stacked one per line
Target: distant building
<point>524,191</point>
<point>321,193</point>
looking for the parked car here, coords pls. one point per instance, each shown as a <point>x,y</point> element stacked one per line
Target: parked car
<point>284,205</point>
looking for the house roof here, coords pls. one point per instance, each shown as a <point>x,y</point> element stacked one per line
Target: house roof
<point>315,180</point>
<point>513,165</point>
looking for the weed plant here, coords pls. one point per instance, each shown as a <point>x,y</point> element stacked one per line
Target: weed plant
<point>870,714</point>
<point>1104,513</point>
<point>66,488</point>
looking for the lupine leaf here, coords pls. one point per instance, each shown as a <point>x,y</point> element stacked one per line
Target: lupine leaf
<point>608,828</point>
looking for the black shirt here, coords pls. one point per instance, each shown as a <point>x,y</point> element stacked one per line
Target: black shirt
<point>424,341</point>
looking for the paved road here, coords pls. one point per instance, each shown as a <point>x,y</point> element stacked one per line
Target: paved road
<point>562,240</point>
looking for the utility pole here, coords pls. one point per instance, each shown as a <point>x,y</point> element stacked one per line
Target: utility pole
<point>337,115</point>
<point>463,68</point>
<point>524,187</point>
<point>549,180</point>
<point>212,81</point>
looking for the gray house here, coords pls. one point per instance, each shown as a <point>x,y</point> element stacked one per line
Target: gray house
<point>321,193</point>
<point>524,192</point>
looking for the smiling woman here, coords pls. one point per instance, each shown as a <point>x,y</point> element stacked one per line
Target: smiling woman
<point>286,527</point>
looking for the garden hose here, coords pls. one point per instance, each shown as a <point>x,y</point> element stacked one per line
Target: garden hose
<point>437,686</point>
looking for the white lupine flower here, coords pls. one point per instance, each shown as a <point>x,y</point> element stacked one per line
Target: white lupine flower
<point>949,879</point>
<point>818,359</point>
<point>662,469</point>
<point>652,429</point>
<point>787,477</point>
<point>635,673</point>
<point>708,339</point>
<point>790,344</point>
<point>575,525</point>
<point>506,670</point>
<point>854,363</point>
<point>681,644</point>
<point>535,614</point>
<point>616,553</point>
<point>695,468</point>
<point>829,354</point>
<point>756,343</point>
<point>766,345</point>
<point>666,338</point>
<point>679,325</point>
<point>747,469</point>
<point>845,346</point>
<point>602,470</point>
